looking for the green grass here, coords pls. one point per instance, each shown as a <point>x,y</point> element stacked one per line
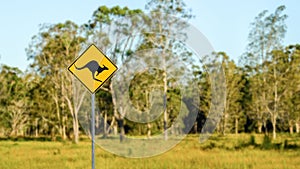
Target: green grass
<point>229,152</point>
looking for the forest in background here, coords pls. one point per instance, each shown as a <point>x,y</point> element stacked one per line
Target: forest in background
<point>262,89</point>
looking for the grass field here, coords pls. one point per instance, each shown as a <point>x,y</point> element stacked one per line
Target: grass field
<point>229,152</point>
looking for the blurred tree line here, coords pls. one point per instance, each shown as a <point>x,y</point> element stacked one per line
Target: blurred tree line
<point>262,90</point>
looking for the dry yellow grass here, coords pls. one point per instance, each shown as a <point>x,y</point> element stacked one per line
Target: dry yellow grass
<point>228,152</point>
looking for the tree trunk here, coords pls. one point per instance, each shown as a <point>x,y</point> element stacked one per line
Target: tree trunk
<point>64,135</point>
<point>58,115</point>
<point>149,130</point>
<point>97,121</point>
<point>76,129</point>
<point>196,127</point>
<point>105,125</point>
<point>276,101</point>
<point>260,125</point>
<point>115,126</point>
<point>115,129</point>
<point>122,131</point>
<point>291,129</point>
<point>74,108</point>
<point>274,127</point>
<point>224,124</point>
<point>165,104</point>
<point>22,132</point>
<point>14,130</point>
<point>236,126</point>
<point>297,127</point>
<point>53,134</point>
<point>219,128</point>
<point>165,126</point>
<point>122,134</point>
<point>121,124</point>
<point>265,126</point>
<point>36,128</point>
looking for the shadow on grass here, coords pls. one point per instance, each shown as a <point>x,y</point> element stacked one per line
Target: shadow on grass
<point>40,139</point>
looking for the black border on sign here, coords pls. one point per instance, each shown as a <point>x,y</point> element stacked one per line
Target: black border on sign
<point>110,76</point>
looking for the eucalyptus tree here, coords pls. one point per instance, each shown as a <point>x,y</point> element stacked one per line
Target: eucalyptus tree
<point>41,120</point>
<point>52,50</point>
<point>284,75</point>
<point>266,34</point>
<point>233,84</point>
<point>167,24</point>
<point>14,102</point>
<point>114,31</point>
<point>144,94</point>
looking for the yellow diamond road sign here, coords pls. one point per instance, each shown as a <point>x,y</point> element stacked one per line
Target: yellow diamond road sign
<point>92,68</point>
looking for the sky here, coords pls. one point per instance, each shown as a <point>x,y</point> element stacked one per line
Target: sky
<point>225,23</point>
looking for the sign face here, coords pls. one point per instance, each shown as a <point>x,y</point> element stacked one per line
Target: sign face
<point>92,68</point>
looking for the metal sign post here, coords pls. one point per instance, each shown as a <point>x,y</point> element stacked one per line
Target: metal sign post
<point>93,130</point>
<point>93,69</point>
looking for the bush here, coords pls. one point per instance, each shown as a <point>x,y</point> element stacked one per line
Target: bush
<point>252,140</point>
<point>267,143</point>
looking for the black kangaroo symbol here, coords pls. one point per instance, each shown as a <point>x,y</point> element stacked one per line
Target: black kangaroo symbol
<point>94,67</point>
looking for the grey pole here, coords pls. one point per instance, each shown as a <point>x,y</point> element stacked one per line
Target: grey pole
<point>93,130</point>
